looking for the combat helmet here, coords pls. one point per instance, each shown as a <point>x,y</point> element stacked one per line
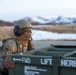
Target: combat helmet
<point>22,23</point>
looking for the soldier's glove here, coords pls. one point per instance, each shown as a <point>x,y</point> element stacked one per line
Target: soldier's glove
<point>8,64</point>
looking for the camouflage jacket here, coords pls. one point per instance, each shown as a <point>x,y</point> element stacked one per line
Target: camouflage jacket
<point>11,46</point>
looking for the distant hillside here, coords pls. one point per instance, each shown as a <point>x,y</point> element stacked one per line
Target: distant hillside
<point>5,23</point>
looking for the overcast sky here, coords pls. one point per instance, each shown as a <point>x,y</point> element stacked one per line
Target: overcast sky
<point>11,10</point>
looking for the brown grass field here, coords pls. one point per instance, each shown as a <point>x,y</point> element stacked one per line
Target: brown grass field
<point>6,32</point>
<point>58,28</point>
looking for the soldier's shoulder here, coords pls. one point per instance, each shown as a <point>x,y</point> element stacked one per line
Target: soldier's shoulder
<point>8,41</point>
<point>8,44</point>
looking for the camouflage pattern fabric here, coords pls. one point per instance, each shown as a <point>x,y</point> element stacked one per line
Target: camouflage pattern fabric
<point>11,46</point>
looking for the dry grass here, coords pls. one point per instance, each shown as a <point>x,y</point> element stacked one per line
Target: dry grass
<point>8,32</point>
<point>59,28</point>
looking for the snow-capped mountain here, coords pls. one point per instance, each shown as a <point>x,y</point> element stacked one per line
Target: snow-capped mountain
<point>45,21</point>
<point>62,19</point>
<point>37,19</point>
<point>53,20</point>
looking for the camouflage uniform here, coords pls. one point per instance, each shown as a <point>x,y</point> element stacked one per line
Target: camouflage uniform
<point>11,46</point>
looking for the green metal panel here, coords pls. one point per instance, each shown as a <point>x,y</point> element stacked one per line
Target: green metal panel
<point>45,61</point>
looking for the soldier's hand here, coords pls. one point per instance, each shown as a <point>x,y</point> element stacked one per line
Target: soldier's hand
<point>8,64</point>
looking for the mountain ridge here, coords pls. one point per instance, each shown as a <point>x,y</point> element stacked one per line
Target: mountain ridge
<point>61,20</point>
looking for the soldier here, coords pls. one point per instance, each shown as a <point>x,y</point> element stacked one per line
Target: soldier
<point>20,43</point>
